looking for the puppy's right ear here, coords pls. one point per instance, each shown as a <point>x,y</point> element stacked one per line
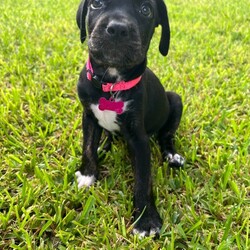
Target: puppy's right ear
<point>80,19</point>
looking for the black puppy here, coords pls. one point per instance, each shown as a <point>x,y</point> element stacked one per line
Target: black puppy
<point>122,96</point>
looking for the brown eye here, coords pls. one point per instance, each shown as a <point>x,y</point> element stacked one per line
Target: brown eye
<point>146,10</point>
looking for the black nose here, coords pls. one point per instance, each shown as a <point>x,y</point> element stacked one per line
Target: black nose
<point>117,30</point>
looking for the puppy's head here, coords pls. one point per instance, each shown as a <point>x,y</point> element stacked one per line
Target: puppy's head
<point>119,31</point>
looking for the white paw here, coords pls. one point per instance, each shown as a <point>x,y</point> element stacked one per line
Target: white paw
<point>142,234</point>
<point>154,232</point>
<point>84,180</point>
<point>176,159</point>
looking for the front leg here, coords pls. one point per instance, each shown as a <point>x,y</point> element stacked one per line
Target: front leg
<point>88,171</point>
<point>148,221</point>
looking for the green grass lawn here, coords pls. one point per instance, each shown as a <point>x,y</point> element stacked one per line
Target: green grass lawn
<point>205,205</point>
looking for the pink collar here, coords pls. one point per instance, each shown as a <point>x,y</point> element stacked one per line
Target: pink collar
<point>111,87</point>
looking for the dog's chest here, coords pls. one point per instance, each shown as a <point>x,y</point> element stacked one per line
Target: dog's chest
<point>106,118</point>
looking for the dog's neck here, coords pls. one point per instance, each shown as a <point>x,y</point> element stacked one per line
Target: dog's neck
<point>114,74</point>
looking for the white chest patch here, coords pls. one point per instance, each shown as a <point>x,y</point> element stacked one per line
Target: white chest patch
<point>106,118</point>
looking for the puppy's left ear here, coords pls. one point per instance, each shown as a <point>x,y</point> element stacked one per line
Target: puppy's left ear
<point>80,19</point>
<point>165,33</point>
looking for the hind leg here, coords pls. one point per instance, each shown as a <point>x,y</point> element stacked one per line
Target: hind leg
<point>167,132</point>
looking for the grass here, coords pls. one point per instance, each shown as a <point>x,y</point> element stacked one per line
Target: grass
<point>206,205</point>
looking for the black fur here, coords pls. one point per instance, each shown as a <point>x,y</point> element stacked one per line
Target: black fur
<point>119,34</point>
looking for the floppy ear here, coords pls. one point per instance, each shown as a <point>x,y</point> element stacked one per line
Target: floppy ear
<point>80,19</point>
<point>165,32</point>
